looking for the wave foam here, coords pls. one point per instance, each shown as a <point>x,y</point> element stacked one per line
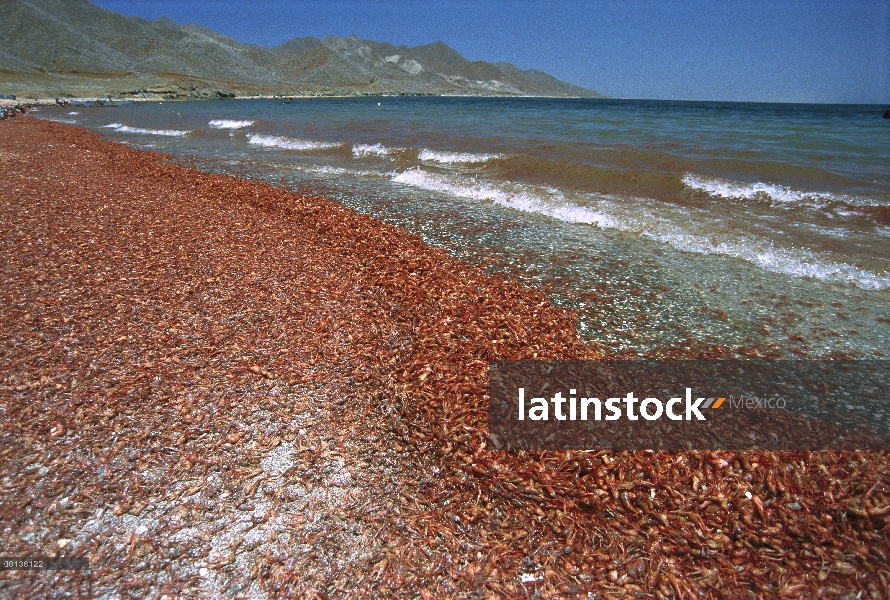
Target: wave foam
<point>797,263</point>
<point>360,150</point>
<point>326,170</point>
<point>544,201</point>
<point>127,129</point>
<point>274,141</point>
<point>455,157</point>
<point>229,124</point>
<point>765,192</point>
<point>773,193</point>
<point>625,215</point>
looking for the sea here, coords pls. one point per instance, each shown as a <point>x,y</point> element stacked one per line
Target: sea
<point>667,227</point>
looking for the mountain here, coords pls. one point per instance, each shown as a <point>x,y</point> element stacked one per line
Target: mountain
<point>75,48</point>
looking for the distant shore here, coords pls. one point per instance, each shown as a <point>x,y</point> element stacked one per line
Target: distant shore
<point>28,102</point>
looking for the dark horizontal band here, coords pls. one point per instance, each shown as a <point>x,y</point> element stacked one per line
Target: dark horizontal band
<point>690,405</point>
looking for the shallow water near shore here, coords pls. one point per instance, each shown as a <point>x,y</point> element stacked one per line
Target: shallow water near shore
<point>662,224</point>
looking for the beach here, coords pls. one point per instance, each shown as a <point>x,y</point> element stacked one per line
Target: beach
<point>215,386</point>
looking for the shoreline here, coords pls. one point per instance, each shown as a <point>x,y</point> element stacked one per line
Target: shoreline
<point>69,101</point>
<point>280,361</point>
<point>29,102</point>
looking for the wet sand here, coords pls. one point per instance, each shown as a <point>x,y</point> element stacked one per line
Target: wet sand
<point>217,387</point>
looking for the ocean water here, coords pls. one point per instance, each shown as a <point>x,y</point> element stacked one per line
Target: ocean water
<point>760,228</point>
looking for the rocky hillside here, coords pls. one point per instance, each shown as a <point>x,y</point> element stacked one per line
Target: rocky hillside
<point>75,48</point>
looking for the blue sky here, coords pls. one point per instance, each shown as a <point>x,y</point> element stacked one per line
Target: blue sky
<point>771,51</point>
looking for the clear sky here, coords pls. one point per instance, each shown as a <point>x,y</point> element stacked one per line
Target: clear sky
<point>743,50</point>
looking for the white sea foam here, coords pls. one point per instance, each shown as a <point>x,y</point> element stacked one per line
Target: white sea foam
<point>360,150</point>
<point>74,112</point>
<point>540,200</point>
<point>274,141</point>
<point>455,157</point>
<point>759,191</point>
<point>229,124</point>
<point>127,129</point>
<point>637,215</point>
<point>843,212</point>
<point>787,261</point>
<point>68,121</point>
<point>326,170</point>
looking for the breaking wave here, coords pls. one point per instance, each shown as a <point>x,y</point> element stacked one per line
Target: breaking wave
<point>786,261</point>
<point>455,157</point>
<point>360,150</point>
<point>229,124</point>
<point>166,132</point>
<point>768,192</point>
<point>274,141</point>
<point>632,215</point>
<point>326,170</point>
<point>545,201</point>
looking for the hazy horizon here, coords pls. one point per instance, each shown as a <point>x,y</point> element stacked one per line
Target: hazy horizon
<point>785,51</point>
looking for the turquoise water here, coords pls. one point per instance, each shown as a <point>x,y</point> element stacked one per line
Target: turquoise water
<point>664,225</point>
